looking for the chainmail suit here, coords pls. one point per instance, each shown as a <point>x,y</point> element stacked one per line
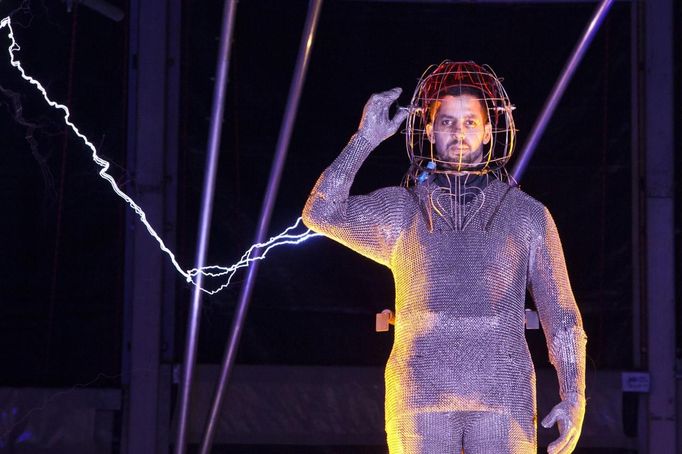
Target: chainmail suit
<point>459,376</point>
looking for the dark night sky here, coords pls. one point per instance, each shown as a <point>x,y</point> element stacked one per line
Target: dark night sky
<point>62,251</point>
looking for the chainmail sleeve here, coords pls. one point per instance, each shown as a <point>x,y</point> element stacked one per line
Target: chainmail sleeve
<point>368,224</point>
<point>551,290</point>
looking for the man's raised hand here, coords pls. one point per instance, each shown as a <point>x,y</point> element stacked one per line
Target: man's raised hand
<point>376,126</point>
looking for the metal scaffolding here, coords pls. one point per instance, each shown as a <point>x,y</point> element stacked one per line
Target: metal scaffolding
<point>653,121</point>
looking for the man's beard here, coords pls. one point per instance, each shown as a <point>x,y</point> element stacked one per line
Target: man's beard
<point>457,157</point>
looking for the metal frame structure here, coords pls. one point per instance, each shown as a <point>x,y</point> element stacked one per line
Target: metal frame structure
<point>559,88</point>
<point>149,307</point>
<point>656,114</point>
<point>652,110</point>
<point>215,132</point>
<point>305,48</point>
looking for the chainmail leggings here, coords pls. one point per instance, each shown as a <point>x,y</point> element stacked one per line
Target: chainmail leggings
<point>470,432</point>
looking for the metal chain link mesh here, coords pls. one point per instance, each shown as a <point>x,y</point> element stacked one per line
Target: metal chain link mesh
<point>461,273</point>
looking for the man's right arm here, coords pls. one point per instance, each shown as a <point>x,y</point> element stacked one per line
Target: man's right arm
<point>367,224</point>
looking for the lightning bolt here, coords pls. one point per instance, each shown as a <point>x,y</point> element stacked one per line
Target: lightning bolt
<point>251,255</point>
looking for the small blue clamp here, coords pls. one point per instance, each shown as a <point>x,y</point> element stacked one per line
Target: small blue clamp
<point>425,174</point>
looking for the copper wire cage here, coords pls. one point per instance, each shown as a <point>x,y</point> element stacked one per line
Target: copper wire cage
<point>432,86</point>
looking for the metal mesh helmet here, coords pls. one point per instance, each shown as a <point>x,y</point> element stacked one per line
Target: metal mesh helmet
<point>460,78</point>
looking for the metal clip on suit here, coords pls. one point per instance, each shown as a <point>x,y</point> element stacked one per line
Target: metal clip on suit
<point>383,319</point>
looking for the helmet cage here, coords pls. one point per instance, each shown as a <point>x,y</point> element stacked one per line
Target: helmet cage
<point>463,78</point>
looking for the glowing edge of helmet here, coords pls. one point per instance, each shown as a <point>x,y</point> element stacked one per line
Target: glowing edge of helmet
<point>497,108</point>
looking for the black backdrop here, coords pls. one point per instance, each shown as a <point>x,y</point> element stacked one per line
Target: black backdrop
<point>61,272</point>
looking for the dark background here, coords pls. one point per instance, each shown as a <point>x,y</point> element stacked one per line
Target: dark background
<point>62,237</point>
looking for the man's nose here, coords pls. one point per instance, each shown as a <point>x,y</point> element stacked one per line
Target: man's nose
<point>457,129</point>
<point>458,133</point>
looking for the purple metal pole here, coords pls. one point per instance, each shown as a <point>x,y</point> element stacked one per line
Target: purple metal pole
<point>217,110</point>
<point>314,7</point>
<point>659,122</point>
<point>559,88</point>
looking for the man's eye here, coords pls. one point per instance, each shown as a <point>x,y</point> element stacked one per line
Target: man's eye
<point>471,123</point>
<point>446,122</point>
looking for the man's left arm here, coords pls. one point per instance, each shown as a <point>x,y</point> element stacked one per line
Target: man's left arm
<point>561,321</point>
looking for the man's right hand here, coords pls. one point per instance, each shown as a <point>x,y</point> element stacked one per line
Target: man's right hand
<point>375,125</point>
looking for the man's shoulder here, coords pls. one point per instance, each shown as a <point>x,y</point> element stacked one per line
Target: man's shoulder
<point>523,198</point>
<point>397,190</point>
<point>394,194</point>
<point>401,191</point>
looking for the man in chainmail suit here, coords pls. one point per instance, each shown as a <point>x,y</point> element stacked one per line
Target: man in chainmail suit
<point>463,246</point>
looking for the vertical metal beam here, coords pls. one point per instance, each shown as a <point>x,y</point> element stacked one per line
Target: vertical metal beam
<point>168,358</point>
<point>660,271</point>
<point>559,88</point>
<point>638,224</point>
<point>305,48</point>
<point>215,130</point>
<point>153,105</point>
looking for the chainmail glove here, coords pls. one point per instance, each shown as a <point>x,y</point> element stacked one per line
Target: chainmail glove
<point>569,414</point>
<point>376,126</point>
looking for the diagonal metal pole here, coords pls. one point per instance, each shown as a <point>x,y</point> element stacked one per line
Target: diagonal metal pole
<point>559,89</point>
<point>314,7</point>
<point>219,89</point>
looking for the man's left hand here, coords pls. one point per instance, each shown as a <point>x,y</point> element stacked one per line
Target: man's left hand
<point>569,414</point>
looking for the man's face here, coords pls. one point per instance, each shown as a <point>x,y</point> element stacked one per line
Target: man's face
<point>459,130</point>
